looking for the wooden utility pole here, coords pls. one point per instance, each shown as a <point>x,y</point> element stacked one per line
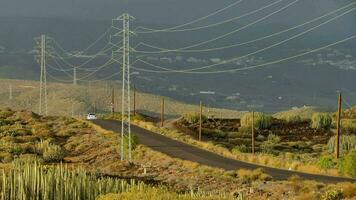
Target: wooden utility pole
<point>10,92</point>
<point>200,119</point>
<point>253,132</point>
<point>113,100</point>
<point>338,132</point>
<point>162,112</point>
<point>134,101</point>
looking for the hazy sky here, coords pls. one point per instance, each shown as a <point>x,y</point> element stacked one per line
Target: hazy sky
<point>158,11</point>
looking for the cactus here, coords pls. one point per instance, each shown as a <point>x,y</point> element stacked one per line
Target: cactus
<point>261,120</point>
<point>35,181</point>
<point>321,121</point>
<point>347,144</point>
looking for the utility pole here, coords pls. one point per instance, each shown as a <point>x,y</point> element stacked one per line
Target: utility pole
<point>200,119</point>
<point>10,92</point>
<point>126,84</point>
<point>338,132</point>
<point>43,105</point>
<point>113,101</point>
<point>162,111</point>
<point>253,132</point>
<point>75,76</point>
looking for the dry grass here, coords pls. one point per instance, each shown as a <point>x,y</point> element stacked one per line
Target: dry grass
<point>85,99</point>
<point>161,194</point>
<point>94,149</point>
<point>348,189</point>
<point>282,161</point>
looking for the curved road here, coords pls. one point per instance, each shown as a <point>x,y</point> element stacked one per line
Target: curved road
<point>185,151</point>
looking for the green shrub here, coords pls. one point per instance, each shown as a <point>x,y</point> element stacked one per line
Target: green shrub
<point>268,146</point>
<point>240,149</point>
<point>347,144</point>
<point>321,121</point>
<point>78,124</point>
<point>53,153</point>
<point>348,164</point>
<point>348,125</point>
<point>134,141</point>
<point>327,162</point>
<point>20,149</point>
<point>41,130</point>
<point>349,113</point>
<point>248,176</point>
<point>332,195</point>
<point>194,117</point>
<point>6,113</point>
<point>262,121</point>
<point>230,174</point>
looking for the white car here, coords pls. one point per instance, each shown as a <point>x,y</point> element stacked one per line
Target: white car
<point>91,116</point>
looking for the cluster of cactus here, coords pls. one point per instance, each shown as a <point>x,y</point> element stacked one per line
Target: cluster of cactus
<point>50,152</point>
<point>268,146</point>
<point>261,121</point>
<point>34,181</point>
<point>322,121</point>
<point>194,117</point>
<point>347,144</point>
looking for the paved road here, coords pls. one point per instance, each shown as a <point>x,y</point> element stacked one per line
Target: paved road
<point>185,151</point>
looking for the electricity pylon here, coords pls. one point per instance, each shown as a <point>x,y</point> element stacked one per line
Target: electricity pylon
<point>126,83</point>
<point>43,102</point>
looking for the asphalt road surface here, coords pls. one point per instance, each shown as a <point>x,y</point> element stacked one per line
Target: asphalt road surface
<point>185,151</point>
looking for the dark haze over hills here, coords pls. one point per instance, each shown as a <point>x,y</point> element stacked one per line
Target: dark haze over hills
<point>75,23</point>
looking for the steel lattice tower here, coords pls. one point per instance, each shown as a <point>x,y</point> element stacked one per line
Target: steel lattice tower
<point>43,103</point>
<point>126,86</point>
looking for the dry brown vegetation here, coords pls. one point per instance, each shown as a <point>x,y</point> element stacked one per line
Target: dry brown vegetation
<point>87,98</point>
<point>86,146</point>
<point>273,155</point>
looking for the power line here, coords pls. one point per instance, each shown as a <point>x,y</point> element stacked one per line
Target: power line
<point>214,24</point>
<point>236,30</point>
<point>188,23</point>
<point>347,103</point>
<point>251,67</point>
<point>112,75</point>
<point>107,78</point>
<point>60,67</point>
<point>253,53</point>
<point>54,58</point>
<point>86,49</point>
<point>58,79</point>
<point>109,62</point>
<point>57,55</point>
<point>162,50</point>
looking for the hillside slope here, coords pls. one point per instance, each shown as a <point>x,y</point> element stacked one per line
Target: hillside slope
<point>66,99</point>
